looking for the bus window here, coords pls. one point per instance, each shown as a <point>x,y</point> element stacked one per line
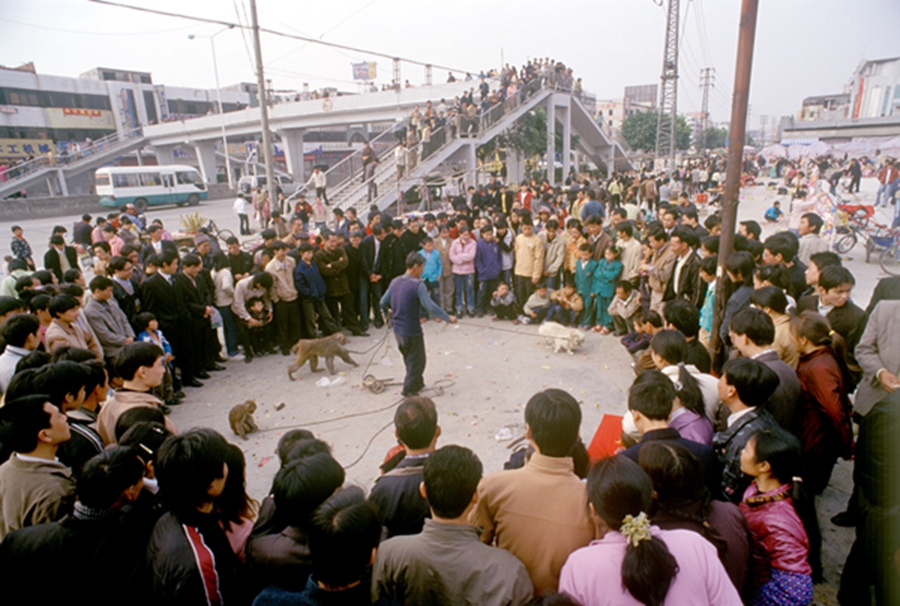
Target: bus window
<point>127,180</point>
<point>188,178</point>
<point>102,180</point>
<point>151,179</point>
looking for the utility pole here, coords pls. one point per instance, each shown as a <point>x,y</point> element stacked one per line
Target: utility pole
<point>739,105</point>
<point>668,91</point>
<point>707,76</point>
<point>763,128</point>
<point>268,152</point>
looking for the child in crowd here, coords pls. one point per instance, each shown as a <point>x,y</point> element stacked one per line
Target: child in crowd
<point>431,275</point>
<point>319,214</point>
<point>102,255</point>
<point>488,266</point>
<point>535,309</point>
<point>585,268</point>
<point>773,214</point>
<point>708,275</point>
<point>624,308</point>
<point>565,305</point>
<point>257,310</point>
<point>150,333</point>
<point>504,303</point>
<point>779,546</point>
<point>609,269</point>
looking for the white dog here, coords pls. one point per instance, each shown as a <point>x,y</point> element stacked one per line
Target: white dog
<point>561,337</point>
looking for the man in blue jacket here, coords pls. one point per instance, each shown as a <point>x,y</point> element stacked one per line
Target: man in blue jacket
<point>405,298</point>
<point>311,286</point>
<point>488,265</point>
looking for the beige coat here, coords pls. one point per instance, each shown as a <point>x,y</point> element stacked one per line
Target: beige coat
<point>539,513</point>
<point>443,247</point>
<point>284,289</point>
<point>784,344</point>
<point>662,264</point>
<point>529,256</point>
<point>119,402</point>
<point>58,334</point>
<point>33,492</point>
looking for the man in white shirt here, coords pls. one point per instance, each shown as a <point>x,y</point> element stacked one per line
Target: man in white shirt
<point>22,335</point>
<point>318,180</point>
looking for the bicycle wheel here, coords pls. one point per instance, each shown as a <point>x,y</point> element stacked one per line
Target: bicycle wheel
<point>890,262</point>
<point>845,243</point>
<point>224,234</point>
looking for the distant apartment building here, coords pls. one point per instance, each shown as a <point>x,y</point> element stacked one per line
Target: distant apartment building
<point>825,107</point>
<point>875,89</point>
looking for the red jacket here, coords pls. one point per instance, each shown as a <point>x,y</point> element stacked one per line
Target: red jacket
<point>888,174</point>
<point>778,538</point>
<point>824,406</point>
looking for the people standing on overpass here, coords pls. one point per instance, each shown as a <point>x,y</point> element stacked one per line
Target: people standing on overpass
<point>317,179</point>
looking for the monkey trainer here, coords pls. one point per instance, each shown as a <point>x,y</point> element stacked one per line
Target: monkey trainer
<point>405,297</point>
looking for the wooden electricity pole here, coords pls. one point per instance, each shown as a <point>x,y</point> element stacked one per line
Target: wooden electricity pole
<point>267,148</point>
<point>739,102</point>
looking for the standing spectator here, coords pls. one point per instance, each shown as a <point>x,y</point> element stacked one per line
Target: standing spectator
<point>312,289</point>
<point>825,429</point>
<point>97,234</point>
<point>603,288</point>
<point>886,177</point>
<point>685,283</point>
<point>242,209</point>
<point>832,300</point>
<point>374,260</point>
<point>659,268</point>
<point>158,296</point>
<point>189,556</point>
<point>35,488</point>
<point>156,245</point>
<point>64,329</point>
<point>332,263</point>
<point>810,242</point>
<point>22,335</point>
<point>81,232</point>
<point>635,563</point>
<point>445,563</point>
<point>462,256</point>
<point>878,357</point>
<point>739,267</point>
<point>397,492</point>
<point>20,247</point>
<point>488,264</point>
<point>783,248</point>
<point>512,506</point>
<point>60,258</point>
<point>629,252</point>
<point>773,301</point>
<point>109,323</point>
<point>318,180</point>
<point>124,290</point>
<point>529,260</point>
<point>555,253</point>
<point>285,304</point>
<point>223,283</point>
<point>752,333</point>
<point>431,275</point>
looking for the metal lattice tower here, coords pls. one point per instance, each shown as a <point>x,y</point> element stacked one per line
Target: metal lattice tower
<point>707,76</point>
<point>668,91</point>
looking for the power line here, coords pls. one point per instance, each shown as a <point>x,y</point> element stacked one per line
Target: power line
<point>83,33</point>
<point>345,47</point>
<point>237,14</point>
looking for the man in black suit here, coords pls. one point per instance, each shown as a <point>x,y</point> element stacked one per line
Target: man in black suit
<point>374,261</point>
<point>60,258</point>
<point>157,245</point>
<point>160,297</point>
<point>833,301</point>
<point>192,290</point>
<point>685,283</point>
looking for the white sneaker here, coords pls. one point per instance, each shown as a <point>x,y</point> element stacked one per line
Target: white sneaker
<point>237,357</point>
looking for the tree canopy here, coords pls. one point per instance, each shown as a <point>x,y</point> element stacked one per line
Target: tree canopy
<point>639,130</point>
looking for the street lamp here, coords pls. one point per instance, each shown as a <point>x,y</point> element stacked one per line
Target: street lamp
<point>212,44</point>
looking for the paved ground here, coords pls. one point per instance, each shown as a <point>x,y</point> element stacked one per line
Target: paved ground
<point>492,368</point>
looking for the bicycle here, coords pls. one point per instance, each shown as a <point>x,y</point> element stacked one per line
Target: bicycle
<point>221,234</point>
<point>890,256</point>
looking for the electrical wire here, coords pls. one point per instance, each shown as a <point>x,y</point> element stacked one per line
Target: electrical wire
<point>241,26</point>
<point>83,33</point>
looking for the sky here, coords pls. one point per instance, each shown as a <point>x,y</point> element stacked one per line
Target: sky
<point>803,47</point>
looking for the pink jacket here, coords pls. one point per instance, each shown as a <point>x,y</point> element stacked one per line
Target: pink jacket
<point>779,539</point>
<point>463,256</point>
<point>593,574</point>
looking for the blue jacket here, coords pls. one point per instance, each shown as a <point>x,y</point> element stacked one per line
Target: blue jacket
<point>488,262</point>
<point>309,281</point>
<point>584,277</point>
<point>605,278</point>
<point>592,207</point>
<point>433,266</point>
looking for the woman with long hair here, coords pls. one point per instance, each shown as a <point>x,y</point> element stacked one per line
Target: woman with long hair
<point>223,278</point>
<point>681,500</point>
<point>635,563</point>
<point>235,508</point>
<point>697,393</point>
<point>826,430</point>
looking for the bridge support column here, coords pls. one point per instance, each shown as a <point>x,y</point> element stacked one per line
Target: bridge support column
<point>551,141</point>
<point>566,120</point>
<point>471,166</point>
<point>515,169</point>
<point>206,158</point>
<point>292,140</point>
<point>165,154</point>
<point>61,180</point>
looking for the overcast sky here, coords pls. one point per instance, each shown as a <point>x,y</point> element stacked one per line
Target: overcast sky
<point>803,47</point>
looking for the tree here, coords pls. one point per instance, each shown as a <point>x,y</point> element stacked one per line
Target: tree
<point>639,130</point>
<point>713,138</point>
<point>528,136</point>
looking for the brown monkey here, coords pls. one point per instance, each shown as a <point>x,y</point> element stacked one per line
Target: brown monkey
<point>326,347</point>
<point>241,418</point>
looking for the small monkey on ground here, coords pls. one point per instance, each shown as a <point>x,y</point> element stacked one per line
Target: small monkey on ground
<point>241,418</point>
<point>326,347</point>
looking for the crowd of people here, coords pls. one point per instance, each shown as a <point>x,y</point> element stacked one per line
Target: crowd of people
<point>711,500</point>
